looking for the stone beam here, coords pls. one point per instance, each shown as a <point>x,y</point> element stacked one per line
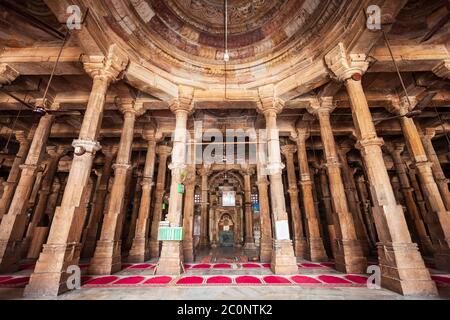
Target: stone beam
<point>410,58</point>
<point>41,60</point>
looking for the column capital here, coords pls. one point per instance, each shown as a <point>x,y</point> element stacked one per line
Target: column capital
<point>22,137</point>
<point>110,150</point>
<point>247,170</point>
<point>345,146</point>
<point>373,141</point>
<point>204,170</point>
<point>184,102</point>
<point>109,67</point>
<point>82,146</point>
<point>288,150</point>
<point>321,105</point>
<point>7,74</point>
<point>344,66</point>
<point>442,70</point>
<point>149,135</point>
<point>401,105</point>
<point>130,105</point>
<point>429,133</point>
<point>57,151</point>
<point>394,148</point>
<point>268,101</point>
<point>302,134</point>
<point>163,150</point>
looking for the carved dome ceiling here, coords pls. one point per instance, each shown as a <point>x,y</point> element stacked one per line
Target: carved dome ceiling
<point>268,40</point>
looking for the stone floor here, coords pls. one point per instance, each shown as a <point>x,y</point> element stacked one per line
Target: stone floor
<point>233,256</point>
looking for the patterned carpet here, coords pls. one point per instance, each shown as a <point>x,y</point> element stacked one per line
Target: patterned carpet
<point>323,276</point>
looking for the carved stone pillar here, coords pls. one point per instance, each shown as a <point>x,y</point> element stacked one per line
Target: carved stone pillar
<point>249,240</point>
<point>92,230</point>
<point>171,259</point>
<point>396,153</point>
<point>264,212</point>
<point>14,173</point>
<point>440,229</point>
<point>328,206</point>
<point>283,257</point>
<point>107,256</point>
<point>418,193</point>
<point>204,172</point>
<point>402,267</point>
<point>315,250</point>
<point>188,216</point>
<point>55,154</point>
<point>426,136</point>
<point>163,153</point>
<point>366,206</point>
<point>349,256</point>
<point>300,246</point>
<point>139,250</point>
<point>63,245</point>
<point>13,224</point>
<point>352,196</point>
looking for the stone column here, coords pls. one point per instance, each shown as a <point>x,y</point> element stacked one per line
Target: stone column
<point>426,136</point>
<point>264,212</point>
<point>55,154</point>
<point>366,206</point>
<point>204,172</point>
<point>14,173</point>
<point>441,217</point>
<point>63,245</point>
<point>107,256</point>
<point>163,153</point>
<point>283,257</point>
<point>328,206</point>
<point>92,230</point>
<point>349,256</point>
<point>395,151</point>
<point>13,224</point>
<point>352,196</point>
<point>402,267</point>
<point>418,193</point>
<point>139,250</point>
<point>315,250</point>
<point>249,240</point>
<point>171,259</point>
<point>300,246</point>
<point>188,216</point>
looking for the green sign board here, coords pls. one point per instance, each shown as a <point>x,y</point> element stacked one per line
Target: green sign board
<point>170,234</point>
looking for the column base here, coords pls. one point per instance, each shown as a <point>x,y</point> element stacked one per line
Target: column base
<point>188,250</point>
<point>49,278</point>
<point>170,262</point>
<point>316,251</point>
<point>265,253</point>
<point>154,249</point>
<point>442,256</point>
<point>10,261</point>
<point>403,270</point>
<point>137,251</point>
<point>283,259</point>
<point>35,246</point>
<point>107,258</point>
<point>300,247</point>
<point>249,246</point>
<point>426,246</point>
<point>349,257</point>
